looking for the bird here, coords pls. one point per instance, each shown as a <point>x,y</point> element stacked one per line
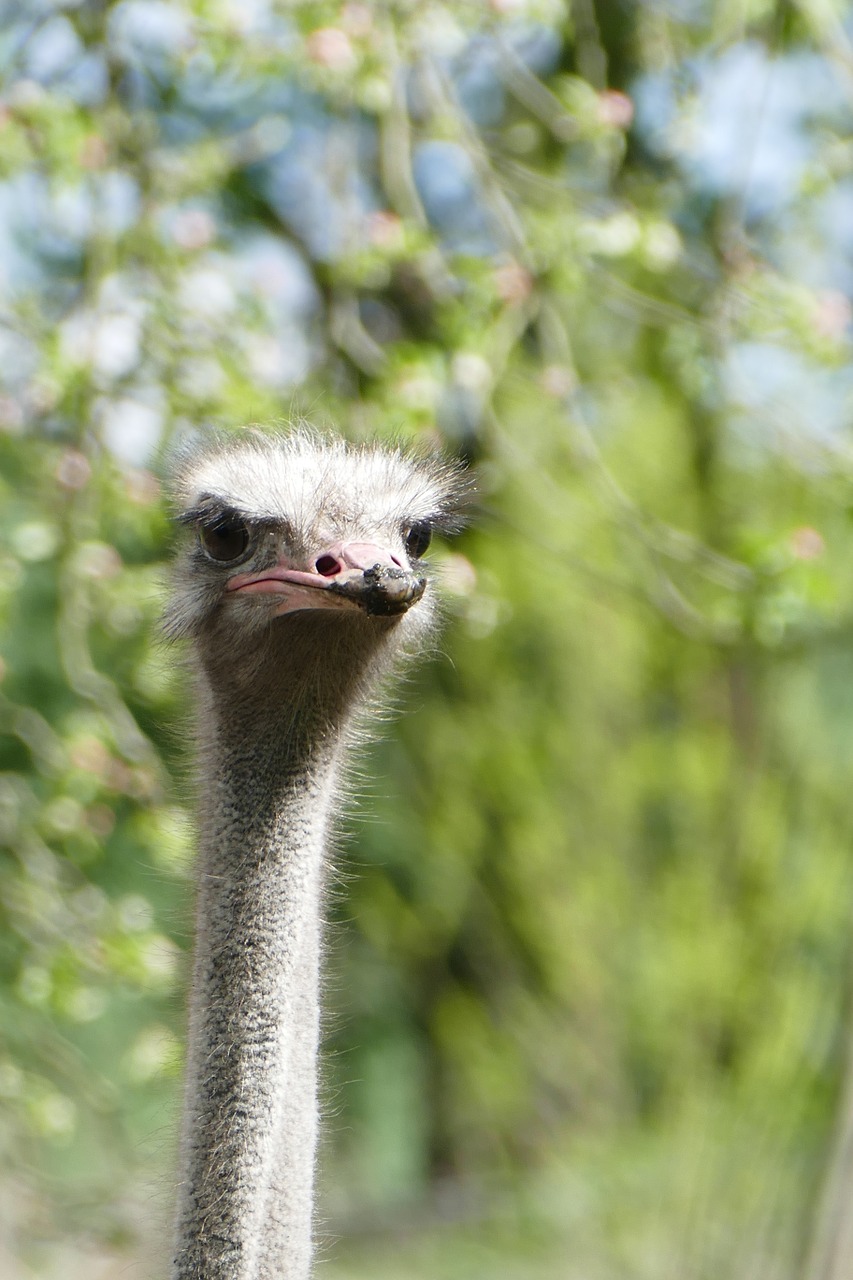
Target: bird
<point>299,586</point>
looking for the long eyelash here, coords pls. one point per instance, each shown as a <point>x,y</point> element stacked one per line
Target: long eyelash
<point>447,522</point>
<point>210,514</point>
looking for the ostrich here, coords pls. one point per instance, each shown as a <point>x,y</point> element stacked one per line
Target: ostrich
<point>301,582</point>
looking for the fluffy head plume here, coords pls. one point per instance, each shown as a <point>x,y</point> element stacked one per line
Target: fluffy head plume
<point>305,549</point>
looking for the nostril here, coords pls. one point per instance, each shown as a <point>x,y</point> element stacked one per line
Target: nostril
<point>397,562</point>
<point>328,566</point>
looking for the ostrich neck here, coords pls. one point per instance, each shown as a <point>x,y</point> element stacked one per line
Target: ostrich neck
<point>250,1121</point>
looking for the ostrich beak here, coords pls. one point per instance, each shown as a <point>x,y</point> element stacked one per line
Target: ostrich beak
<point>359,574</point>
<point>382,590</point>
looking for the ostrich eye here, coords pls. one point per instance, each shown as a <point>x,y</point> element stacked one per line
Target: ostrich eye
<point>224,541</point>
<point>418,539</point>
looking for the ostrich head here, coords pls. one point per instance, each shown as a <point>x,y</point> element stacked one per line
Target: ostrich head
<point>305,561</point>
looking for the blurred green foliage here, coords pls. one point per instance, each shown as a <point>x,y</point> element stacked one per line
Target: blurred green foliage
<point>589,958</point>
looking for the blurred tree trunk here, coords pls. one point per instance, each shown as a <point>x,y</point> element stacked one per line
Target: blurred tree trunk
<point>832,1248</point>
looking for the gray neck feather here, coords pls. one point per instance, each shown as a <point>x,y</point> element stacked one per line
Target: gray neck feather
<point>268,760</point>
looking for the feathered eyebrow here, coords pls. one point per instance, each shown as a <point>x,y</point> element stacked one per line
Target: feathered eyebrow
<point>443,521</point>
<point>210,511</point>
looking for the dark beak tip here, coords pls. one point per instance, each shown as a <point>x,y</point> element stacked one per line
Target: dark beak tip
<point>383,590</point>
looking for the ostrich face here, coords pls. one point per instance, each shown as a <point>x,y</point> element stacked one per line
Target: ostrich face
<point>284,525</point>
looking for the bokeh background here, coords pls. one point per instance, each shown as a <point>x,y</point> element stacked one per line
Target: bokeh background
<point>590,968</point>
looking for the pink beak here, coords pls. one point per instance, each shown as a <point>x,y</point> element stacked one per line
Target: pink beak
<point>353,555</point>
<point>346,573</point>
